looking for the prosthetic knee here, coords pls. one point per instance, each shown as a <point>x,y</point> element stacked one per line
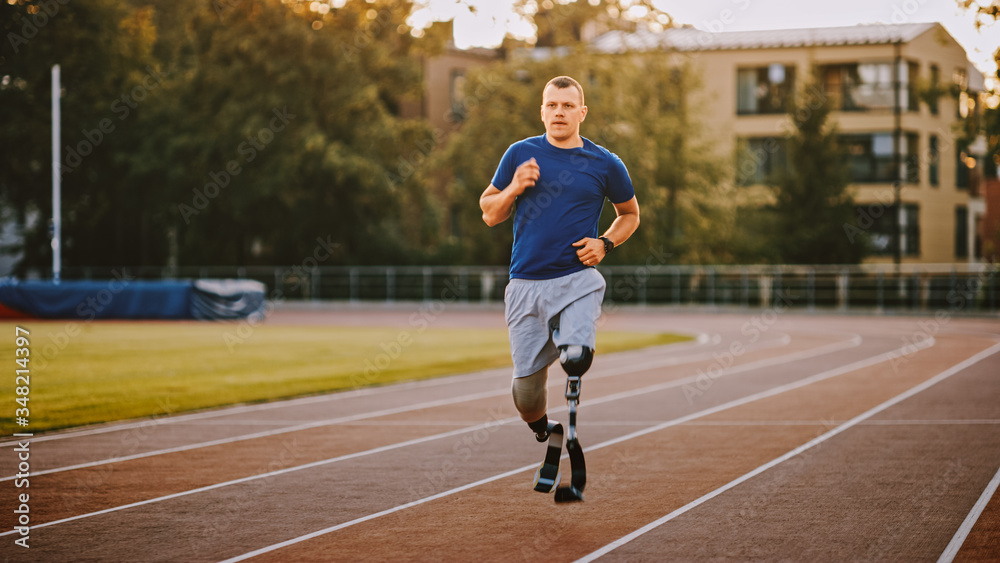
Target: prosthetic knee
<point>575,360</point>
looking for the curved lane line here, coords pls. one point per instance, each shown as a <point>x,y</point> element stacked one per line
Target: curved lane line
<point>387,412</point>
<point>599,400</point>
<point>814,442</point>
<point>874,360</point>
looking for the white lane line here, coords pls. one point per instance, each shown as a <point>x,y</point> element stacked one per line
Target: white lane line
<point>268,433</point>
<point>861,364</point>
<point>970,520</point>
<point>812,443</point>
<point>275,473</point>
<point>700,340</point>
<point>954,421</point>
<point>901,422</point>
<point>599,400</point>
<point>405,422</point>
<point>418,502</point>
<point>419,406</point>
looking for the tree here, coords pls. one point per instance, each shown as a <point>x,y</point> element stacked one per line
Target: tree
<point>103,48</point>
<point>239,131</point>
<point>332,171</point>
<point>560,24</point>
<point>988,12</point>
<point>813,212</point>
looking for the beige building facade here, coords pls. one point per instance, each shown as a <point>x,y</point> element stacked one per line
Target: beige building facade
<point>901,135</point>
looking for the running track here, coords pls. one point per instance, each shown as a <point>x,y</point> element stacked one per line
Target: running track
<point>770,437</point>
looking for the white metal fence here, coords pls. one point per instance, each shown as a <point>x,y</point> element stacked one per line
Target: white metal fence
<point>955,288</point>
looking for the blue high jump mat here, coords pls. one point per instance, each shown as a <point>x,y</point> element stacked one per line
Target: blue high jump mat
<point>132,299</point>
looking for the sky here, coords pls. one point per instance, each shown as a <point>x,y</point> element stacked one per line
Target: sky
<point>486,28</point>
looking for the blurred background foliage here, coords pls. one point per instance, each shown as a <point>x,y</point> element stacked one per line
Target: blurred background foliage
<point>240,131</point>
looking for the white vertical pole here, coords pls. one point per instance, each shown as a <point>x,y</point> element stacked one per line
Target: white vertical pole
<point>56,178</point>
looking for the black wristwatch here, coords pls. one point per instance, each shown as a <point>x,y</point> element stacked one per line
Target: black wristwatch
<point>608,245</point>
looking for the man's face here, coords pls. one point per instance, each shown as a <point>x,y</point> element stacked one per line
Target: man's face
<point>562,111</point>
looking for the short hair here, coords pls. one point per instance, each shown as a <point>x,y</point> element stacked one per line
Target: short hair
<point>566,82</point>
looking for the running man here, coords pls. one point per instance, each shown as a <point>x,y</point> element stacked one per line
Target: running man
<point>559,182</point>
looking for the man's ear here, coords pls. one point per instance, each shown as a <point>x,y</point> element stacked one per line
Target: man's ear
<point>583,112</point>
<point>541,112</point>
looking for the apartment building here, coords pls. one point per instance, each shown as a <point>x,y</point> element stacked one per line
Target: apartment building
<point>898,92</point>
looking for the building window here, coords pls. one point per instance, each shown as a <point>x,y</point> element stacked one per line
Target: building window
<point>883,227</point>
<point>910,229</point>
<point>935,79</point>
<point>961,231</point>
<point>759,160</point>
<point>765,89</point>
<point>933,160</point>
<point>911,160</point>
<point>869,86</point>
<point>457,94</point>
<point>909,100</point>
<point>880,231</point>
<point>870,157</point>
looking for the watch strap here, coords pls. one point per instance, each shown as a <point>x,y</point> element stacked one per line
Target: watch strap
<point>608,245</point>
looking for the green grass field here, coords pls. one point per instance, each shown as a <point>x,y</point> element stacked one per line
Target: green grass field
<point>85,373</point>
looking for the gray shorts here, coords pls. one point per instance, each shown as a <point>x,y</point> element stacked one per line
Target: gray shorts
<point>545,314</point>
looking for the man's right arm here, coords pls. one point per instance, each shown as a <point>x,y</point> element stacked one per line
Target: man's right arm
<point>497,205</point>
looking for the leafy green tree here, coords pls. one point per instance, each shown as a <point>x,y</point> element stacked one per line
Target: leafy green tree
<point>103,49</point>
<point>812,205</point>
<point>987,13</point>
<point>330,167</point>
<point>562,24</point>
<point>238,131</point>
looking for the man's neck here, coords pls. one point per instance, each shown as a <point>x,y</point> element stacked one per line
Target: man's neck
<point>572,142</point>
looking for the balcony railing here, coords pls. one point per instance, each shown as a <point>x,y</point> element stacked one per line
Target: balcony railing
<point>867,97</point>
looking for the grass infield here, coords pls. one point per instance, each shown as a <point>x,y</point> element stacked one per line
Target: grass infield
<point>86,373</point>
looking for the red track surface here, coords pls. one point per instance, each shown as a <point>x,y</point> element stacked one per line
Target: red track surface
<point>773,437</point>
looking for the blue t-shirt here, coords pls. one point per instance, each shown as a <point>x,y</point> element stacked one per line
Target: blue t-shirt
<point>563,206</point>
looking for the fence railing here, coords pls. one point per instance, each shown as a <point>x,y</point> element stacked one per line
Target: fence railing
<point>953,288</point>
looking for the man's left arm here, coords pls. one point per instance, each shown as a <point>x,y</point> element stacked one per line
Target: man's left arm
<point>591,250</point>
